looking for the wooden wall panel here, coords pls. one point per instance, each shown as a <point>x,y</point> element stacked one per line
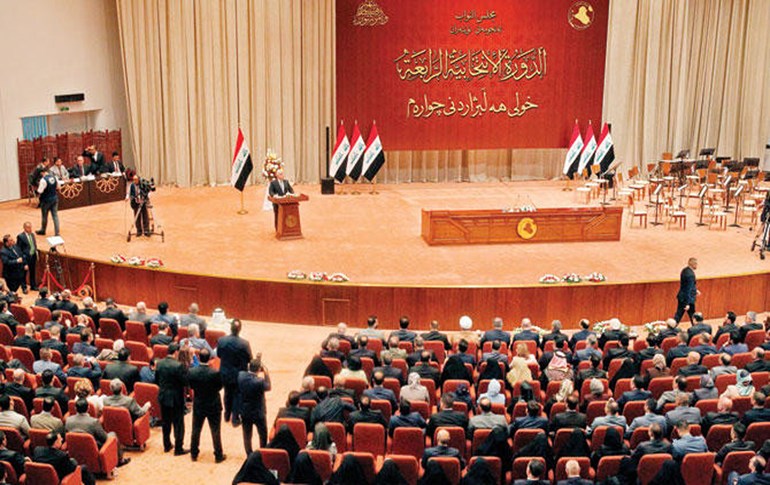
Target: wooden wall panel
<point>303,302</point>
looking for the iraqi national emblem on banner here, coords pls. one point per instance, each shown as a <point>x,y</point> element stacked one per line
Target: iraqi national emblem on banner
<point>580,15</point>
<point>369,14</point>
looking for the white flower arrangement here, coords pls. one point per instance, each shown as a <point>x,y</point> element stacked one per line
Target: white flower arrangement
<point>296,274</point>
<point>600,327</point>
<point>654,328</point>
<point>338,278</point>
<point>550,279</point>
<point>595,277</point>
<point>118,259</point>
<point>135,261</point>
<point>154,263</point>
<point>572,278</point>
<point>271,165</point>
<point>318,276</point>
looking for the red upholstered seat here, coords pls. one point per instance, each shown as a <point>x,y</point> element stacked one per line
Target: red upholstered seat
<point>131,434</point>
<point>519,468</point>
<point>213,336</point>
<point>322,463</point>
<point>139,351</point>
<point>369,438</point>
<point>146,392</point>
<point>494,464</point>
<point>758,433</point>
<point>393,384</point>
<point>456,437</point>
<point>479,436</point>
<point>82,447</point>
<point>659,385</point>
<point>595,409</point>
<point>45,474</point>
<point>421,407</point>
<point>451,467</point>
<point>297,428</point>
<point>37,437</point>
<point>585,467</point>
<point>437,347</point>
<point>408,465</point>
<point>10,474</point>
<point>367,463</point>
<point>524,436</point>
<point>718,436</point>
<point>278,460</point>
<point>135,332</point>
<point>13,439</point>
<point>41,315</point>
<point>598,434</point>
<point>639,435</point>
<point>384,407</point>
<point>109,328</point>
<point>24,354</point>
<point>633,409</point>
<point>23,314</point>
<point>6,336</point>
<point>736,461</point>
<point>698,468</point>
<point>408,441</point>
<point>37,407</point>
<point>649,466</point>
<point>337,430</point>
<point>608,467</point>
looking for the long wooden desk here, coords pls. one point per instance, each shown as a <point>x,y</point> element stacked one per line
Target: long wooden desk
<point>91,192</point>
<point>574,224</point>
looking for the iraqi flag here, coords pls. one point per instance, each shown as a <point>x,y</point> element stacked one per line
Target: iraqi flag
<point>573,154</point>
<point>356,156</point>
<point>374,157</point>
<point>340,155</point>
<point>587,156</point>
<point>242,165</point>
<point>605,153</point>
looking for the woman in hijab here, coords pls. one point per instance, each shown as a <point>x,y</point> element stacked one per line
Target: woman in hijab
<point>414,391</point>
<point>350,471</point>
<point>463,394</point>
<point>659,368</point>
<point>434,475</point>
<point>744,385</point>
<point>575,446</point>
<point>354,369</point>
<point>322,440</point>
<point>389,474</point>
<point>254,470</point>
<point>613,446</point>
<point>566,390</point>
<point>538,447</point>
<point>627,371</point>
<point>318,368</point>
<point>519,369</point>
<point>493,393</point>
<point>284,440</point>
<point>496,444</point>
<point>479,474</point>
<point>491,370</point>
<point>558,369</point>
<point>454,368</point>
<point>706,390</point>
<point>303,471</point>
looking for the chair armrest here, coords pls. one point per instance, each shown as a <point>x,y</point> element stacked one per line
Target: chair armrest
<point>74,478</point>
<point>142,430</point>
<point>108,455</point>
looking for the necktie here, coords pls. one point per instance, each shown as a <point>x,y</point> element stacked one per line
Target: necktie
<point>31,243</point>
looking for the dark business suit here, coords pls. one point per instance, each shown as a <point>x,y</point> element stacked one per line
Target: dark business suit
<point>279,188</point>
<point>115,314</point>
<point>442,451</point>
<point>28,246</point>
<point>139,206</point>
<point>297,412</point>
<point>15,458</point>
<point>529,422</point>
<point>368,416</point>
<point>171,376</point>
<point>252,389</point>
<point>13,270</point>
<point>113,167</point>
<point>124,371</point>
<point>58,459</point>
<point>97,161</point>
<point>206,384</point>
<point>568,419</point>
<point>78,171</point>
<point>435,335</point>
<point>447,417</point>
<point>30,343</point>
<point>687,293</point>
<point>234,355</point>
<point>55,392</point>
<point>527,335</point>
<point>496,334</point>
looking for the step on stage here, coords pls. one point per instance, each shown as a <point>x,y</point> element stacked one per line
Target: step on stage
<point>217,257</point>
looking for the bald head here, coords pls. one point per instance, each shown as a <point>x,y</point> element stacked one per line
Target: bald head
<point>442,437</point>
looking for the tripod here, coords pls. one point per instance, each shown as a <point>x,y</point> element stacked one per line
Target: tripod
<point>145,204</point>
<point>762,239</point>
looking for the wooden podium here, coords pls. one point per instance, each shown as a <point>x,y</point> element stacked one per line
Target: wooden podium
<point>288,216</point>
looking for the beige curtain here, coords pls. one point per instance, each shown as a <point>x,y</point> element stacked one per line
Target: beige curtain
<point>678,75</point>
<point>192,66</point>
<point>688,75</point>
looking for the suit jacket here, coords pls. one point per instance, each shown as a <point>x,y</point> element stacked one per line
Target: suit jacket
<point>609,335</point>
<point>330,409</point>
<point>635,395</point>
<point>24,392</point>
<point>60,460</point>
<point>56,345</point>
<point>437,451</point>
<point>47,421</point>
<point>390,371</point>
<point>78,172</point>
<point>411,420</point>
<point>23,243</point>
<point>30,343</point>
<point>383,393</point>
<point>109,167</point>
<point>693,370</point>
<point>687,286</point>
<point>712,418</point>
<point>56,393</point>
<point>297,412</point>
<point>370,416</point>
<point>365,352</point>
<point>435,335</point>
<point>116,314</point>
<point>523,481</point>
<point>496,334</point>
<point>171,376</point>
<point>252,389</point>
<point>92,373</point>
<point>234,355</point>
<point>128,373</point>
<point>97,161</point>
<point>726,328</point>
<point>15,458</point>
<point>527,335</point>
<point>733,446</point>
<point>161,339</point>
<point>426,372</point>
<point>619,353</point>
<point>528,422</point>
<point>206,384</point>
<point>579,336</point>
<point>748,327</point>
<point>574,481</point>
<point>650,448</point>
<point>758,366</point>
<point>404,335</point>
<point>12,269</point>
<point>123,401</point>
<point>447,418</point>
<point>617,420</point>
<point>754,479</point>
<point>486,421</point>
<point>646,421</point>
<point>755,416</point>
<point>45,303</point>
<point>697,330</point>
<point>680,350</point>
<point>84,423</point>
<point>688,444</point>
<point>706,350</point>
<point>68,306</point>
<point>683,413</point>
<point>568,419</point>
<point>9,320</point>
<point>586,354</point>
<point>278,189</point>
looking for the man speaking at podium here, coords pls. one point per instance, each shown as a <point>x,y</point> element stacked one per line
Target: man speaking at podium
<point>279,187</point>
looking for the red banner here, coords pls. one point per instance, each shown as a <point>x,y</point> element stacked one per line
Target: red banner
<point>471,74</point>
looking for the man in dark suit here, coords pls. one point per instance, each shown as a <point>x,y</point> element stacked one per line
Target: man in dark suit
<point>27,243</point>
<point>115,165</point>
<point>252,385</point>
<point>693,368</point>
<point>234,355</point>
<point>127,373</point>
<point>403,333</point>
<point>97,159</point>
<point>749,324</point>
<point>553,334</point>
<point>206,384</point>
<point>638,391</point>
<point>279,187</point>
<point>533,419</point>
<point>570,418</point>
<point>85,367</point>
<point>447,417</point>
<point>656,444</point>
<point>80,169</point>
<point>728,325</point>
<point>329,408</point>
<point>757,413</point>
<point>15,458</point>
<point>527,333</point>
<point>497,333</point>
<point>388,370</point>
<point>698,327</point>
<point>406,418</point>
<point>592,372</point>
<point>112,311</point>
<point>442,449</point>
<point>43,300</point>
<point>573,475</point>
<point>363,351</point>
<point>581,334</point>
<point>680,350</point>
<point>171,376</point>
<point>378,391</point>
<point>48,390</point>
<point>58,459</point>
<point>759,364</point>
<point>425,370</point>
<point>7,318</point>
<point>365,414</point>
<point>294,410</point>
<point>724,415</point>
<point>14,264</point>
<point>614,332</point>
<point>622,352</point>
<point>26,338</point>
<point>434,335</point>
<point>704,346</point>
<point>535,474</point>
<point>66,303</point>
<point>162,337</point>
<point>688,291</point>
<point>463,355</point>
<point>737,443</point>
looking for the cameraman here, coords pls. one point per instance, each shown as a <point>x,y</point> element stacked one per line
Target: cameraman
<point>138,195</point>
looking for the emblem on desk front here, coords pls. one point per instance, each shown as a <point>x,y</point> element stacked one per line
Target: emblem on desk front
<point>580,15</point>
<point>291,221</point>
<point>107,185</point>
<point>70,190</point>
<point>526,228</point>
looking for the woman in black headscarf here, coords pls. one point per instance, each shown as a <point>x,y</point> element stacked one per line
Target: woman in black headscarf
<point>669,474</point>
<point>434,475</point>
<point>303,471</point>
<point>575,446</point>
<point>496,444</point>
<point>613,446</point>
<point>350,471</point>
<point>627,371</point>
<point>538,447</point>
<point>492,371</point>
<point>390,474</point>
<point>254,470</point>
<point>454,368</point>
<point>479,474</point>
<point>318,368</point>
<point>463,394</point>
<point>284,440</point>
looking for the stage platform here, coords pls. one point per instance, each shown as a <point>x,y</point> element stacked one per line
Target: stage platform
<point>220,258</point>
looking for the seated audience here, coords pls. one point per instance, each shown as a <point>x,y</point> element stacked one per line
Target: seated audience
<point>442,449</point>
<point>406,418</point>
<point>46,420</point>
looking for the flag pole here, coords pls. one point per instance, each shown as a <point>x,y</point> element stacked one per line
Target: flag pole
<point>374,186</point>
<point>242,210</point>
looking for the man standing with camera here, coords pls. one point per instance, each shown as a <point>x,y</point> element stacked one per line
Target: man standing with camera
<point>252,386</point>
<point>139,197</point>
